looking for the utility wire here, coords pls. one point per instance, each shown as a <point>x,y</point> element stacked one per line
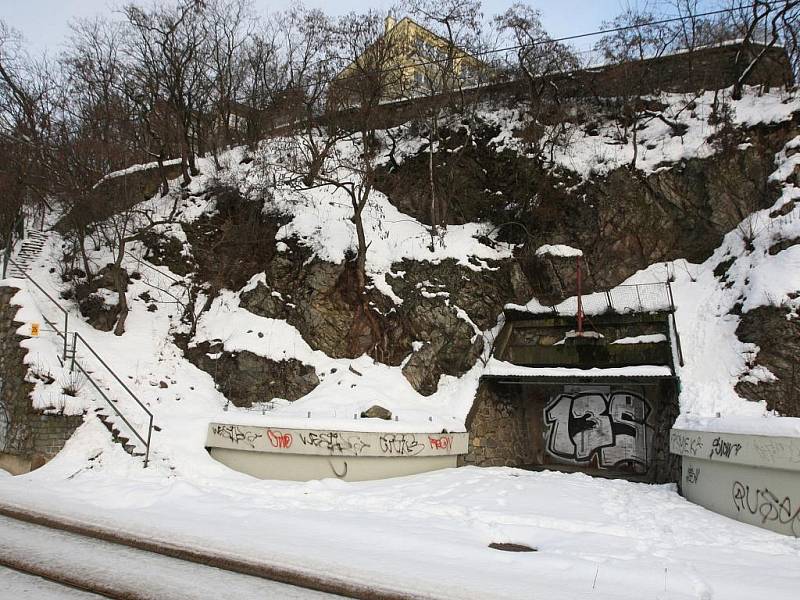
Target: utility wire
<point>541,42</point>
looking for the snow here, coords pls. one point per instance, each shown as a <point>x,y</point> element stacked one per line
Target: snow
<point>499,368</point>
<point>428,535</point>
<point>653,338</point>
<point>768,424</point>
<point>559,250</point>
<point>137,168</point>
<point>18,586</point>
<point>596,152</point>
<point>87,561</point>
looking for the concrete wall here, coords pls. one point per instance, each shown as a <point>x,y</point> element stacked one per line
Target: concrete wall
<point>706,69</point>
<point>751,478</point>
<point>28,437</point>
<point>306,454</point>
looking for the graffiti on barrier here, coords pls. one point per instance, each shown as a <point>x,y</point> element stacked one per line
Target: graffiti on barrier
<point>692,475</point>
<point>403,444</point>
<point>278,439</point>
<point>334,442</point>
<point>236,434</point>
<point>441,442</point>
<point>611,428</point>
<point>722,448</point>
<point>767,506</point>
<point>686,444</point>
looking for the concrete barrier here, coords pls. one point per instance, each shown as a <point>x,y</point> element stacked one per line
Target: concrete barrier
<point>306,454</point>
<point>752,478</point>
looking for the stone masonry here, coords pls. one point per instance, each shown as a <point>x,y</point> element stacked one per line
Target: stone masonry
<point>28,437</point>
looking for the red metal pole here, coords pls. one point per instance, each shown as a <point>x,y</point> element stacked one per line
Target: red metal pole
<point>580,300</point>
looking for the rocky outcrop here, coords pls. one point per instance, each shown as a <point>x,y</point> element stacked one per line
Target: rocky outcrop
<point>436,322</point>
<point>246,378</point>
<point>623,221</point>
<point>778,337</point>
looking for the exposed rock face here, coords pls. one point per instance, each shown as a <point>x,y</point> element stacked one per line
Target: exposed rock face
<point>309,296</point>
<point>246,378</point>
<point>480,294</point>
<point>167,251</point>
<point>623,221</point>
<point>779,341</point>
<point>92,304</point>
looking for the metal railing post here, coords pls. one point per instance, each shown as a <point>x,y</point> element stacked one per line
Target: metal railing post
<point>66,330</point>
<point>74,351</point>
<point>147,446</point>
<point>671,298</point>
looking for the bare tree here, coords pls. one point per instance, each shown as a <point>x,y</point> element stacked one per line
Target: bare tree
<point>168,49</point>
<point>540,60</point>
<point>760,25</point>
<point>443,69</point>
<point>26,114</point>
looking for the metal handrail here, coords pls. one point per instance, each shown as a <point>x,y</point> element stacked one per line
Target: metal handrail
<point>49,297</point>
<point>77,336</point>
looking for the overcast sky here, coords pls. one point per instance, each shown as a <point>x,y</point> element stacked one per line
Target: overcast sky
<point>44,23</point>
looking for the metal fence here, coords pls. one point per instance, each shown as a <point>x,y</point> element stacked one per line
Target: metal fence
<point>641,297</point>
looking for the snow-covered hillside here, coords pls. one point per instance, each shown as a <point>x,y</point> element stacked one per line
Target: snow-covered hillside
<point>184,399</point>
<point>661,548</point>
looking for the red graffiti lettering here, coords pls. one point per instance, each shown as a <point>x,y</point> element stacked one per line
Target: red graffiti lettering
<point>279,440</point>
<point>444,442</point>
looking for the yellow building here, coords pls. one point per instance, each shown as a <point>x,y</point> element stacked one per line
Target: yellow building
<point>414,61</point>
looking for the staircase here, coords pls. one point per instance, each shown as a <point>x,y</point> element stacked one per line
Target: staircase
<point>30,250</point>
<point>79,355</point>
<point>116,434</point>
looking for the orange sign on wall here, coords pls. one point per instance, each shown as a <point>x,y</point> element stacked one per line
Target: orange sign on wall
<point>34,330</point>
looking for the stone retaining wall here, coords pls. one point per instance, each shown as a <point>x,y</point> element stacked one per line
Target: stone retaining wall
<point>28,437</point>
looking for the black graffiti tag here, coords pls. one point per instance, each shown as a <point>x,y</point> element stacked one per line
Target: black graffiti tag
<point>235,434</point>
<point>719,447</point>
<point>685,444</point>
<point>768,506</point>
<point>404,444</point>
<point>334,442</point>
<point>693,475</point>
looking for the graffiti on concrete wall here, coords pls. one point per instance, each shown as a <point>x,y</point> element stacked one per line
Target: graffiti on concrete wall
<point>610,429</point>
<point>236,434</point>
<point>767,506</point>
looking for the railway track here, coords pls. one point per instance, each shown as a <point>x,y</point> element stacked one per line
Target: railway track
<point>85,562</point>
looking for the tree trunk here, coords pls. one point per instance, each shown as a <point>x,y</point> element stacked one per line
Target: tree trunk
<point>82,245</point>
<point>162,174</point>
<point>121,294</point>
<point>431,180</point>
<point>361,253</point>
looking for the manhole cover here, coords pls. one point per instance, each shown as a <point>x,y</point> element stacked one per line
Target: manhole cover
<point>511,547</point>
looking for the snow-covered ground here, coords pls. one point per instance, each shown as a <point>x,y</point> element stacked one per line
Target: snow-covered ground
<point>429,534</point>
